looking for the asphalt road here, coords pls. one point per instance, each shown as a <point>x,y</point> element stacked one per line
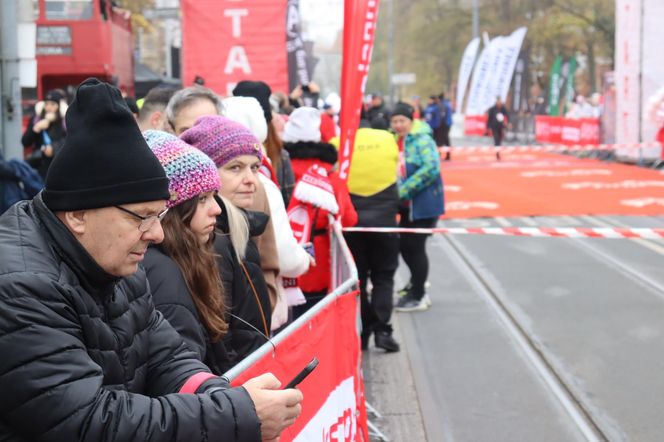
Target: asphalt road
<point>529,339</point>
<point>540,339</point>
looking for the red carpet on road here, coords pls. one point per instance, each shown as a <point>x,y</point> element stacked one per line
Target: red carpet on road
<point>534,183</point>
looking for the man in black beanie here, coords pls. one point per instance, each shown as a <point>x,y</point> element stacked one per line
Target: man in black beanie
<point>85,354</point>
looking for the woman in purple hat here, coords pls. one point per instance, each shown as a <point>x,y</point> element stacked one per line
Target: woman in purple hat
<point>237,154</point>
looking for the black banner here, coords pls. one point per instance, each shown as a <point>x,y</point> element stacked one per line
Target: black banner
<point>521,84</point>
<point>301,61</point>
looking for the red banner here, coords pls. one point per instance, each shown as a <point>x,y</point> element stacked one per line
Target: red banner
<point>474,125</point>
<point>559,130</point>
<point>226,42</point>
<point>359,30</point>
<point>333,406</point>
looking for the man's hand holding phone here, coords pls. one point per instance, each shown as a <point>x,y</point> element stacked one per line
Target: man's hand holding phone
<point>276,409</point>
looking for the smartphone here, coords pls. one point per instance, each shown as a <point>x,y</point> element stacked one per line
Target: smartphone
<point>303,374</point>
<point>309,248</point>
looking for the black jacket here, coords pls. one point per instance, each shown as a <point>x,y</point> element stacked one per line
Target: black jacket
<point>492,119</point>
<point>241,338</point>
<point>378,210</point>
<point>85,356</point>
<point>173,299</point>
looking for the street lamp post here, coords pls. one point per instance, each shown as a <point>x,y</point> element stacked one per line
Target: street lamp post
<point>476,18</point>
<point>390,50</point>
<point>10,86</point>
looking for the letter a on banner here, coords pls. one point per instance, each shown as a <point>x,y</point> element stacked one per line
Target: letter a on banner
<point>226,42</point>
<point>360,18</point>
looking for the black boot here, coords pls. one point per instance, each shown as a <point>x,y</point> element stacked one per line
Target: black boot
<point>365,339</point>
<point>385,340</point>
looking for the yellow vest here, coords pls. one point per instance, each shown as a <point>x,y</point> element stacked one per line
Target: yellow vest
<point>373,166</point>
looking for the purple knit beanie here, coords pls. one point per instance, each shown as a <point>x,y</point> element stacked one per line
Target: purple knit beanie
<point>222,139</point>
<point>189,171</point>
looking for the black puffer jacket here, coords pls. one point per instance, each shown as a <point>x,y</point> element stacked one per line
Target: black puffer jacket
<point>173,299</point>
<point>86,357</point>
<point>241,338</point>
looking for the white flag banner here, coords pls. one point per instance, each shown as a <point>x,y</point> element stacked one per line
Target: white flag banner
<point>507,56</point>
<point>481,77</point>
<point>628,70</point>
<point>652,71</point>
<point>487,90</point>
<point>465,69</point>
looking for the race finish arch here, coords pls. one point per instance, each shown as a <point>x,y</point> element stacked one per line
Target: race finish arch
<point>226,42</point>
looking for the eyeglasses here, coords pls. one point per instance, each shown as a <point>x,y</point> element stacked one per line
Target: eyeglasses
<point>146,221</point>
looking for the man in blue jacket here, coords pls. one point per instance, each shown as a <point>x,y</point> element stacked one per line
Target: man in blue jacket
<point>446,123</point>
<point>433,118</point>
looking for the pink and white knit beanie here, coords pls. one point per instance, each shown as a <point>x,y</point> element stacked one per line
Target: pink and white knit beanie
<point>190,172</point>
<point>222,139</point>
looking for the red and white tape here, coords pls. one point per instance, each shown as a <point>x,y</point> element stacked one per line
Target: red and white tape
<point>549,147</point>
<point>564,232</point>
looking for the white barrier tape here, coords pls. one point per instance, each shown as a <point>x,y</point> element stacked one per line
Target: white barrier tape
<point>549,147</point>
<point>564,232</point>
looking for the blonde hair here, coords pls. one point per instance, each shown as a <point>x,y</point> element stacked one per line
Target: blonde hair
<point>238,228</point>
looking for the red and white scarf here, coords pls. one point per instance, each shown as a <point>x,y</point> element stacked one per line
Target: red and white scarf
<point>312,191</point>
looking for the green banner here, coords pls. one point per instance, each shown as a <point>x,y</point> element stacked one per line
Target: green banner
<point>554,87</point>
<point>570,84</point>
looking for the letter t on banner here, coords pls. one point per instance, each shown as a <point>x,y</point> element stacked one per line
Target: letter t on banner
<point>360,18</point>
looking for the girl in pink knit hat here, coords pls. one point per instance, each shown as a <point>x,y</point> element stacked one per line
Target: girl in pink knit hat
<point>182,270</point>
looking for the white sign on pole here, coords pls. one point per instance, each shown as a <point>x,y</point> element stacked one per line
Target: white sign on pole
<point>465,69</point>
<point>404,78</point>
<point>628,67</point>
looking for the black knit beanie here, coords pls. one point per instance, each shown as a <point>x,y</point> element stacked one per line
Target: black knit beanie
<point>260,91</point>
<point>53,95</point>
<point>404,109</point>
<point>105,160</point>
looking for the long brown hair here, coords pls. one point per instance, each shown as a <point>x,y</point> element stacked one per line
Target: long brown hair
<point>273,145</point>
<point>198,266</point>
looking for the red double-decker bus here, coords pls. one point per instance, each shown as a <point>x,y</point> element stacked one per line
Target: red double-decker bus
<point>77,39</point>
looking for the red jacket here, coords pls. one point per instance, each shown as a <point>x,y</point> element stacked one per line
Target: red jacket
<point>328,128</point>
<point>303,156</point>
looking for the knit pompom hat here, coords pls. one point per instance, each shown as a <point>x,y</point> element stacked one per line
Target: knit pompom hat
<point>303,125</point>
<point>248,111</point>
<point>190,172</point>
<point>222,139</point>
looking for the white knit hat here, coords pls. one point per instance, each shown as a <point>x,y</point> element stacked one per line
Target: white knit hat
<point>303,125</point>
<point>248,112</point>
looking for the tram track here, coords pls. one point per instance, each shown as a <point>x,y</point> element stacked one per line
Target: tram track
<point>629,271</point>
<point>573,402</point>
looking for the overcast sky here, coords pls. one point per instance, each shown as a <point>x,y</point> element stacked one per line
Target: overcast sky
<point>322,20</point>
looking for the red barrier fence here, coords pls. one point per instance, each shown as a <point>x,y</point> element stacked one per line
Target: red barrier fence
<point>561,130</point>
<point>475,125</point>
<point>334,405</point>
<point>548,130</point>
